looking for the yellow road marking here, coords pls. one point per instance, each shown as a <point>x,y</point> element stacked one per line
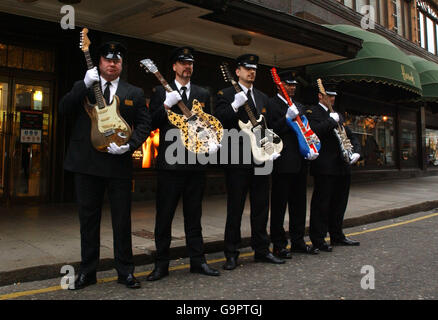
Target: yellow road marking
<point>186,266</point>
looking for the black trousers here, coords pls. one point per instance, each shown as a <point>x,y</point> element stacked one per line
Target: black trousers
<point>328,205</point>
<point>239,182</point>
<point>90,192</point>
<point>171,185</point>
<point>288,189</point>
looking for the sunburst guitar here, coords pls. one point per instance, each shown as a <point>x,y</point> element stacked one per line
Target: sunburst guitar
<point>107,125</point>
<point>198,129</point>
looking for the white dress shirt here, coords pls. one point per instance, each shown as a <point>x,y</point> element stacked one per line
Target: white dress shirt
<point>113,87</point>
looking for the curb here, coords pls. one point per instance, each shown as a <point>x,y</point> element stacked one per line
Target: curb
<point>45,272</point>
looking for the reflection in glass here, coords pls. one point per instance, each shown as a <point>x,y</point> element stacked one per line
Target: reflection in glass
<point>3,111</point>
<point>30,161</point>
<point>408,143</point>
<point>432,147</point>
<point>376,136</point>
<point>430,36</point>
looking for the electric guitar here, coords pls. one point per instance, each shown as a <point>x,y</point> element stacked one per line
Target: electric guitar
<point>198,129</point>
<point>307,139</point>
<point>340,133</point>
<point>107,125</point>
<point>264,142</point>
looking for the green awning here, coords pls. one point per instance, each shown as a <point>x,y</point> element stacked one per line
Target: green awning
<point>378,61</point>
<point>428,72</point>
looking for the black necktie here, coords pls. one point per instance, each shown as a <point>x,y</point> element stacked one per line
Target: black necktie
<point>106,93</point>
<point>184,95</point>
<point>251,102</point>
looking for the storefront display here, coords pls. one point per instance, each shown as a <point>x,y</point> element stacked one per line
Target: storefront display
<point>376,135</point>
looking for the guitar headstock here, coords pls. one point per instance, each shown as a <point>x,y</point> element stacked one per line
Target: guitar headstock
<point>148,65</point>
<point>226,72</point>
<point>85,42</point>
<point>275,76</point>
<point>320,86</point>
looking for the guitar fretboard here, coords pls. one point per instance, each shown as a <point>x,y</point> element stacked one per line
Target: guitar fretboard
<point>248,110</point>
<point>186,112</point>
<point>96,87</point>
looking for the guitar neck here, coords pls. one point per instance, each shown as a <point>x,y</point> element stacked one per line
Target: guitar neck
<point>248,110</point>
<point>186,112</point>
<point>285,95</point>
<point>96,88</point>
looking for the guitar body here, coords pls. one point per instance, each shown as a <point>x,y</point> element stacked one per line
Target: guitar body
<point>107,125</point>
<point>198,131</point>
<point>264,142</point>
<point>307,139</point>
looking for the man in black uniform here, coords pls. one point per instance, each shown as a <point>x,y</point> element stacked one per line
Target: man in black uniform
<point>289,177</point>
<point>332,175</point>
<point>240,178</point>
<point>96,171</point>
<point>176,180</point>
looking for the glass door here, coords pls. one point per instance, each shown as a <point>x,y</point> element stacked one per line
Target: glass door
<point>4,96</point>
<point>30,147</point>
<point>25,111</point>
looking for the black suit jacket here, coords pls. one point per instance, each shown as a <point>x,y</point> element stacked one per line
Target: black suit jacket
<point>160,120</point>
<point>329,161</point>
<point>290,160</point>
<point>81,156</point>
<point>229,119</point>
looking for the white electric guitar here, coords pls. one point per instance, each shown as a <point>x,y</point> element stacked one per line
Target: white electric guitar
<point>264,142</point>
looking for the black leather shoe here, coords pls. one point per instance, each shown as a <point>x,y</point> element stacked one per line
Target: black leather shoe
<point>130,281</point>
<point>204,269</point>
<point>83,281</point>
<point>230,264</point>
<point>325,247</point>
<point>314,250</point>
<point>282,253</point>
<point>345,242</point>
<point>269,257</point>
<point>303,248</point>
<point>158,273</point>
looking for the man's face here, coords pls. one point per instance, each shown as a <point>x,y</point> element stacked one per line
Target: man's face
<point>326,99</point>
<point>183,69</point>
<point>246,74</point>
<point>290,88</point>
<point>110,69</point>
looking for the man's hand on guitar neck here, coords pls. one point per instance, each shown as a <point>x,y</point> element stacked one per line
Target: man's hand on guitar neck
<point>91,77</point>
<point>334,116</point>
<point>239,100</point>
<point>292,112</point>
<point>172,98</point>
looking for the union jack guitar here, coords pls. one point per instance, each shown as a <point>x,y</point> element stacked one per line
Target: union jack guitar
<point>307,139</point>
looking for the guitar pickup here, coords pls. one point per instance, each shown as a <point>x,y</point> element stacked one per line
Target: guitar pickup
<point>263,141</point>
<point>109,132</point>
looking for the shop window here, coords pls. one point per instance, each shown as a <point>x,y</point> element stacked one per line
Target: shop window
<point>397,14</point>
<point>376,136</point>
<point>145,156</point>
<point>432,147</point>
<point>427,26</point>
<point>408,140</point>
<point>3,54</point>
<point>26,58</point>
<point>430,35</point>
<point>349,3</point>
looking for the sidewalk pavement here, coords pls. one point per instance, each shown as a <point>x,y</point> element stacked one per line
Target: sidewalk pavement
<point>36,241</point>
